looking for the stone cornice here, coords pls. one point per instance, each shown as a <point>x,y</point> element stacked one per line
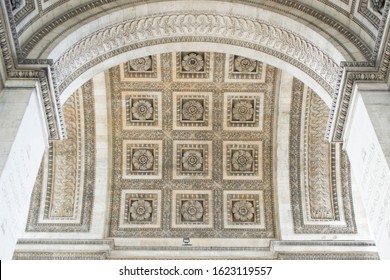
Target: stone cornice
<point>374,71</point>
<point>42,73</point>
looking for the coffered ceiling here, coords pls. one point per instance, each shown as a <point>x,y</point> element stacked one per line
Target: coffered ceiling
<point>192,154</point>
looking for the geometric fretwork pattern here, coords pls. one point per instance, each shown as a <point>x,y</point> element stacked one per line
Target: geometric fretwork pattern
<point>179,151</point>
<point>321,197</point>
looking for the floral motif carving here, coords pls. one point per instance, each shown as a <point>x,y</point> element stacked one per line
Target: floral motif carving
<point>243,211</point>
<point>192,210</point>
<point>192,160</point>
<point>206,151</point>
<point>243,111</point>
<point>192,110</point>
<point>142,64</point>
<point>192,62</point>
<point>143,160</point>
<point>142,110</point>
<point>242,160</point>
<point>140,210</point>
<point>244,65</point>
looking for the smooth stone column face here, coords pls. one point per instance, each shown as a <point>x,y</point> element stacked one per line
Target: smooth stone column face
<point>367,151</point>
<point>283,177</point>
<point>23,140</point>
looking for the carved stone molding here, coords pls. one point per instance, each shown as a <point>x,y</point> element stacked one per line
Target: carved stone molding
<point>321,198</point>
<point>374,71</point>
<point>328,256</point>
<point>63,194</point>
<point>159,29</point>
<point>43,75</point>
<point>39,255</point>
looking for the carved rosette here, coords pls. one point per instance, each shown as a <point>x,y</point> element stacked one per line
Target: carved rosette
<point>192,210</point>
<point>243,111</point>
<point>143,159</point>
<point>142,110</point>
<point>140,210</point>
<point>242,160</point>
<point>244,65</point>
<point>192,160</point>
<point>142,64</point>
<point>243,211</point>
<point>192,110</point>
<point>192,62</point>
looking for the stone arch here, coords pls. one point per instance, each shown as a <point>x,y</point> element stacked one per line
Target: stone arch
<point>252,31</point>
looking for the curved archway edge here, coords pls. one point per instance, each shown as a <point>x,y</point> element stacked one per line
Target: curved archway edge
<point>204,28</point>
<point>138,51</point>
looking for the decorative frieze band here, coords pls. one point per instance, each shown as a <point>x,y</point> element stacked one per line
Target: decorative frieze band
<point>285,44</point>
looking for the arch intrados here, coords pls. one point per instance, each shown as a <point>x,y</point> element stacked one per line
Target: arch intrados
<point>191,46</point>
<point>56,48</point>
